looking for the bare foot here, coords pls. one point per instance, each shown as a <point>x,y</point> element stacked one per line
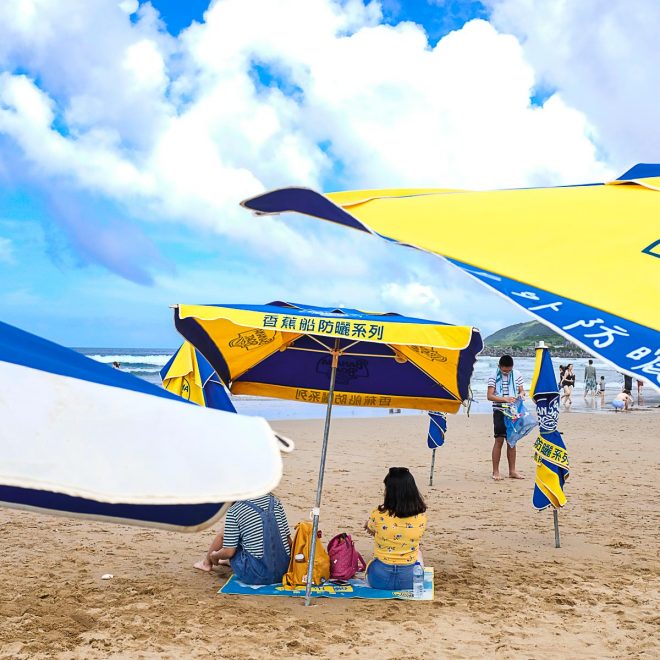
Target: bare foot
<point>515,475</point>
<point>497,476</point>
<point>216,561</point>
<point>203,565</point>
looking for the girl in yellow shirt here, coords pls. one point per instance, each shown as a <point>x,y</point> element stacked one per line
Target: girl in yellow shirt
<point>397,526</point>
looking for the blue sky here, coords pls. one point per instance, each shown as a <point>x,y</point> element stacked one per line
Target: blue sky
<point>129,136</point>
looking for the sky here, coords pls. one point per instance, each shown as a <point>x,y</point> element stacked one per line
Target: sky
<point>130,131</point>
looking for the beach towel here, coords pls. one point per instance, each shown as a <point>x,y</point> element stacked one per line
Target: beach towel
<point>354,588</point>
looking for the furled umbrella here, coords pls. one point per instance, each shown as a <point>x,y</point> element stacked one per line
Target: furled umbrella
<point>549,449</point>
<point>507,240</point>
<point>436,436</point>
<point>333,356</point>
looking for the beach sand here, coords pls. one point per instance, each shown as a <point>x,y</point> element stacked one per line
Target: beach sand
<point>501,588</point>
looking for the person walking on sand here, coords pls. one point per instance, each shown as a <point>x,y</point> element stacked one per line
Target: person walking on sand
<point>589,379</point>
<point>568,383</point>
<point>503,384</point>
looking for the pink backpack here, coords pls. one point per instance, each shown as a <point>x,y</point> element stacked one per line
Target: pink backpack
<point>345,560</point>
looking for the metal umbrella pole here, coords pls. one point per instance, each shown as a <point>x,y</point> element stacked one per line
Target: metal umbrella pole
<point>432,466</point>
<point>555,517</point>
<point>319,488</point>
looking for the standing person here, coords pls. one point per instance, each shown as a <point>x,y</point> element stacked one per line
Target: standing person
<point>397,526</point>
<point>601,390</point>
<point>568,383</point>
<point>562,369</point>
<point>589,379</point>
<point>640,395</point>
<point>502,387</point>
<point>256,542</point>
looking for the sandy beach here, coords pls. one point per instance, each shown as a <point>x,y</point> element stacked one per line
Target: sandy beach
<point>501,588</point>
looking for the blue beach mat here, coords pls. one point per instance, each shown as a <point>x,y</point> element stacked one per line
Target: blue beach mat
<point>355,588</point>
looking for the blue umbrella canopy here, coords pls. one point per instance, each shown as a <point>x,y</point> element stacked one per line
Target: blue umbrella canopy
<point>83,439</point>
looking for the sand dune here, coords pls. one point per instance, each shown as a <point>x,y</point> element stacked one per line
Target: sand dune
<point>502,589</point>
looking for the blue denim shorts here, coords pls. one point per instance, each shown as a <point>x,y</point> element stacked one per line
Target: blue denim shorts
<point>389,576</point>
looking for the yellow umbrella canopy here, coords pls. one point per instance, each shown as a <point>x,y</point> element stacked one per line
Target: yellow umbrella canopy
<point>285,350</point>
<point>605,297</point>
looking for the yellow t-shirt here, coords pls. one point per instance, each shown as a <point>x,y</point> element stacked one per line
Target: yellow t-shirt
<point>396,540</point>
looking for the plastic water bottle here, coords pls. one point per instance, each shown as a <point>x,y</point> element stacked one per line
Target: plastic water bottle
<point>418,580</point>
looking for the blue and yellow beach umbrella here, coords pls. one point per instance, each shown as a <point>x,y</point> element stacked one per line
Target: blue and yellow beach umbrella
<point>549,449</point>
<point>189,375</point>
<point>605,299</point>
<point>284,350</point>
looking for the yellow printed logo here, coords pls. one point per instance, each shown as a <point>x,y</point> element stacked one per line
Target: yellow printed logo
<point>252,339</point>
<point>429,353</point>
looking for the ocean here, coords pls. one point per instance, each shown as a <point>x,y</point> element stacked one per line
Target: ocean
<point>146,363</point>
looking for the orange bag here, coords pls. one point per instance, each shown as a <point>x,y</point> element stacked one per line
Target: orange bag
<point>296,576</point>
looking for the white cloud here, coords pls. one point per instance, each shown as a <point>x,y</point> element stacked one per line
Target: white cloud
<point>178,129</point>
<point>604,59</point>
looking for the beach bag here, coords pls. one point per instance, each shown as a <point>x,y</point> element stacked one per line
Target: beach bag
<point>301,547</point>
<point>345,560</point>
<point>518,421</point>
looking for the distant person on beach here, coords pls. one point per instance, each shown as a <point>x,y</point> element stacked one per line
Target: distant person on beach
<point>640,394</point>
<point>256,542</point>
<point>567,384</point>
<point>397,526</point>
<point>116,365</point>
<point>589,379</point>
<point>601,389</point>
<point>503,384</point>
<point>623,401</point>
<point>562,369</point>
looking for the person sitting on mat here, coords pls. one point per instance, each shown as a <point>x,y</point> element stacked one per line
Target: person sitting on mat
<point>256,542</point>
<point>397,526</point>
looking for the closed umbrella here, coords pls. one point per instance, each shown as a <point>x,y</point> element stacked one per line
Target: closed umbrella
<point>436,436</point>
<point>549,449</point>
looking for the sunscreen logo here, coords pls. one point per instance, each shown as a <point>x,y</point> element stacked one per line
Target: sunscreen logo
<point>252,339</point>
<point>429,353</point>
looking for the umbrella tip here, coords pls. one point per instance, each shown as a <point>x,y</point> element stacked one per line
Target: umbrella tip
<point>541,344</point>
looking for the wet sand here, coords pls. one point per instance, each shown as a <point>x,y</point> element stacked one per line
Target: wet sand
<point>502,589</point>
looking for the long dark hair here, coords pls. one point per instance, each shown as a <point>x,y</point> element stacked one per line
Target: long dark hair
<point>402,499</point>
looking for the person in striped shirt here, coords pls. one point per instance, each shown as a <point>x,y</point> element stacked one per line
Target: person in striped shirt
<point>255,542</point>
<point>503,385</point>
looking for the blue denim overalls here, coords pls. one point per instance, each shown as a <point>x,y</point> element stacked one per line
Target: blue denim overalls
<point>274,564</point>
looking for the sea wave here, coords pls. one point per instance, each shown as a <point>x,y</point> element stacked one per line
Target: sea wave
<point>134,360</point>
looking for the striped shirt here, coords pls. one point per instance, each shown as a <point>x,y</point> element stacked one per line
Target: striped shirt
<point>506,378</point>
<point>243,526</point>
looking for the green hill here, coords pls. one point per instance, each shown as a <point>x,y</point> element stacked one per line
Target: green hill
<point>523,336</point>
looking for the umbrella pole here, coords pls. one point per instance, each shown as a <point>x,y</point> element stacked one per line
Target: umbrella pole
<point>432,466</point>
<point>555,516</point>
<point>319,488</point>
